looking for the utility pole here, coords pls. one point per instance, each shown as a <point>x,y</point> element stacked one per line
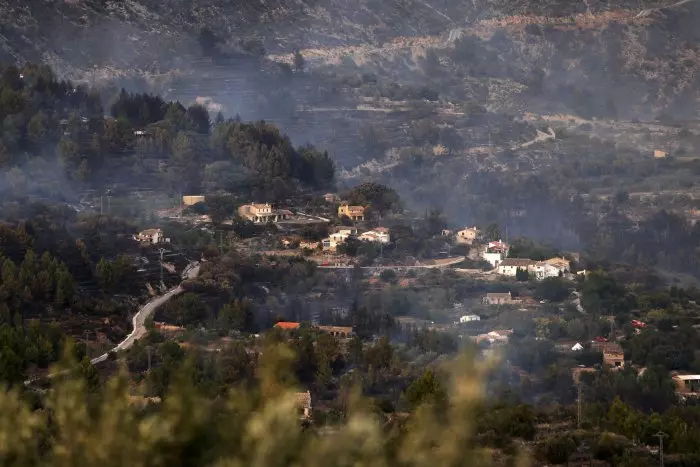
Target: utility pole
<point>579,401</point>
<point>87,347</point>
<point>612,329</point>
<point>101,210</point>
<point>161,251</point>
<point>488,125</point>
<point>109,201</point>
<point>221,245</point>
<point>661,435</point>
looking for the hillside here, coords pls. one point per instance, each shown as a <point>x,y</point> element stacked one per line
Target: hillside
<point>423,95</point>
<point>152,35</point>
<point>570,55</point>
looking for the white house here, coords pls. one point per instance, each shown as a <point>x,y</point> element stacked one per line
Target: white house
<point>469,318</point>
<point>537,269</point>
<point>543,270</point>
<point>336,238</point>
<point>509,266</point>
<point>378,235</point>
<point>499,245</point>
<point>577,348</point>
<point>495,253</point>
<point>493,258</point>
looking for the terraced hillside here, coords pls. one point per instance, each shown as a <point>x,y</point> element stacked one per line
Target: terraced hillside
<point>160,35</point>
<point>438,98</point>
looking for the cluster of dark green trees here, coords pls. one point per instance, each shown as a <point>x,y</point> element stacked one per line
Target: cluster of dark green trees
<point>44,117</point>
<point>380,198</point>
<point>25,292</point>
<point>53,270</point>
<point>214,155</point>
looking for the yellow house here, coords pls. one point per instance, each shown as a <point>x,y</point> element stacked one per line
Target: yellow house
<point>467,236</point>
<point>659,154</point>
<point>355,213</point>
<point>192,199</point>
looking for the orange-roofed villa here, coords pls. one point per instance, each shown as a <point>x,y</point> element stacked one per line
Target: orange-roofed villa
<point>289,325</point>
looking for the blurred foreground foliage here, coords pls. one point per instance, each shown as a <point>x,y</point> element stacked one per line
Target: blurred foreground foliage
<point>77,424</point>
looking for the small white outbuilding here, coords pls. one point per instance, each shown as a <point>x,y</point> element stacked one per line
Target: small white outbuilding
<point>469,318</point>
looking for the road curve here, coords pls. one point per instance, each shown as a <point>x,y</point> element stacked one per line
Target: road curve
<point>139,320</point>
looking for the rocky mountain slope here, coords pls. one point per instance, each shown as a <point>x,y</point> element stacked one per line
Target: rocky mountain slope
<point>152,34</point>
<point>645,52</point>
<point>421,94</point>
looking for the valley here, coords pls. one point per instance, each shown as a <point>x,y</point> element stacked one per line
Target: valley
<point>310,232</point>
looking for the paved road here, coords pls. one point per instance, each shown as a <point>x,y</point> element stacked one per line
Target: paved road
<point>139,320</point>
<point>448,262</point>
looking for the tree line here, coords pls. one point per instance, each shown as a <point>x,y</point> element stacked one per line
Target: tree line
<point>65,124</point>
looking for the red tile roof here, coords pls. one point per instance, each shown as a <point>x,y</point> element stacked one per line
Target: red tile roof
<point>287,325</point>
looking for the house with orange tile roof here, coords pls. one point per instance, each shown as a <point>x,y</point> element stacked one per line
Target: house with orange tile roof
<point>287,325</point>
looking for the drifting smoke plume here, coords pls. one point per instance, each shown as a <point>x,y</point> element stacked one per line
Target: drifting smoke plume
<point>585,59</point>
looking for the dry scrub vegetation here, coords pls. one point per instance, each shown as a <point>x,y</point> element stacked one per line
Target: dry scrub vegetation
<point>76,427</point>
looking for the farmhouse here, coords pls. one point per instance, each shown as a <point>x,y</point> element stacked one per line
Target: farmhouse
<point>500,299</point>
<point>538,269</point>
<point>509,266</point>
